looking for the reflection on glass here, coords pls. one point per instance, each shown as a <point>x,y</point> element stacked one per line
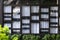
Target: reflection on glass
<point>53,24</point>
<point>54,30</point>
<point>26,21</point>
<point>44,24</point>
<point>16,16</point>
<point>25,31</point>
<point>54,13</point>
<point>16,10</point>
<point>35,17</point>
<point>7,9</point>
<point>54,20</point>
<point>35,9</point>
<point>7,18</point>
<point>44,16</point>
<point>25,10</point>
<point>54,8</point>
<point>35,28</point>
<point>7,14</point>
<point>25,26</point>
<point>44,10</point>
<point>16,30</point>
<point>16,24</point>
<point>7,24</point>
<point>44,30</point>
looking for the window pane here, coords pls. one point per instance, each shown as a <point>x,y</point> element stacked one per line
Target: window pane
<point>53,24</point>
<point>44,24</point>
<point>54,8</point>
<point>35,17</point>
<point>25,31</point>
<point>44,30</point>
<point>44,16</point>
<point>16,10</point>
<point>25,10</point>
<point>25,26</point>
<point>35,28</point>
<point>59,21</point>
<point>26,21</point>
<point>54,20</point>
<point>16,16</point>
<point>16,30</point>
<point>35,9</point>
<point>54,13</point>
<point>7,18</point>
<point>7,9</point>
<point>55,30</point>
<point>7,14</point>
<point>7,24</point>
<point>16,24</point>
<point>44,10</point>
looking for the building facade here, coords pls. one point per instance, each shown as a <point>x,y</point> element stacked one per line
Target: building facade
<point>30,16</point>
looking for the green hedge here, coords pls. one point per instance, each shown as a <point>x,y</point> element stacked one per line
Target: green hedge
<point>5,35</point>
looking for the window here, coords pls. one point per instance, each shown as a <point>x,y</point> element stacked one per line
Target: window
<point>54,30</point>
<point>16,24</point>
<point>35,17</point>
<point>35,9</point>
<point>25,10</point>
<point>44,10</point>
<point>35,28</point>
<point>44,16</point>
<point>7,9</point>
<point>44,24</point>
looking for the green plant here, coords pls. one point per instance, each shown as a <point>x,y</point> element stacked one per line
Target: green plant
<point>58,37</point>
<point>46,37</point>
<point>30,37</point>
<point>53,37</point>
<point>14,37</point>
<point>3,33</point>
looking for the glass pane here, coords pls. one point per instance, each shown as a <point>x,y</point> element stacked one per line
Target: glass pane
<point>16,16</point>
<point>16,24</point>
<point>16,30</point>
<point>54,8</point>
<point>7,9</point>
<point>16,10</point>
<point>44,24</point>
<point>7,24</point>
<point>54,20</point>
<point>54,13</point>
<point>53,24</point>
<point>44,16</point>
<point>35,9</point>
<point>44,10</point>
<point>55,30</point>
<point>25,26</point>
<point>44,30</point>
<point>7,14</point>
<point>26,31</point>
<point>35,28</point>
<point>26,21</point>
<point>35,17</point>
<point>25,10</point>
<point>7,18</point>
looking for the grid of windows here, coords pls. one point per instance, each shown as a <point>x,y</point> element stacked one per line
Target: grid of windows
<point>29,17</point>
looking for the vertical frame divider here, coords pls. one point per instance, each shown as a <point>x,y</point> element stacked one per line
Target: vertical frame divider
<point>21,17</point>
<point>49,19</point>
<point>30,19</point>
<point>58,18</point>
<point>12,21</point>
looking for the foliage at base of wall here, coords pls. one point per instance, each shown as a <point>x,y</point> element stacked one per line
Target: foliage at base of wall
<point>5,35</point>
